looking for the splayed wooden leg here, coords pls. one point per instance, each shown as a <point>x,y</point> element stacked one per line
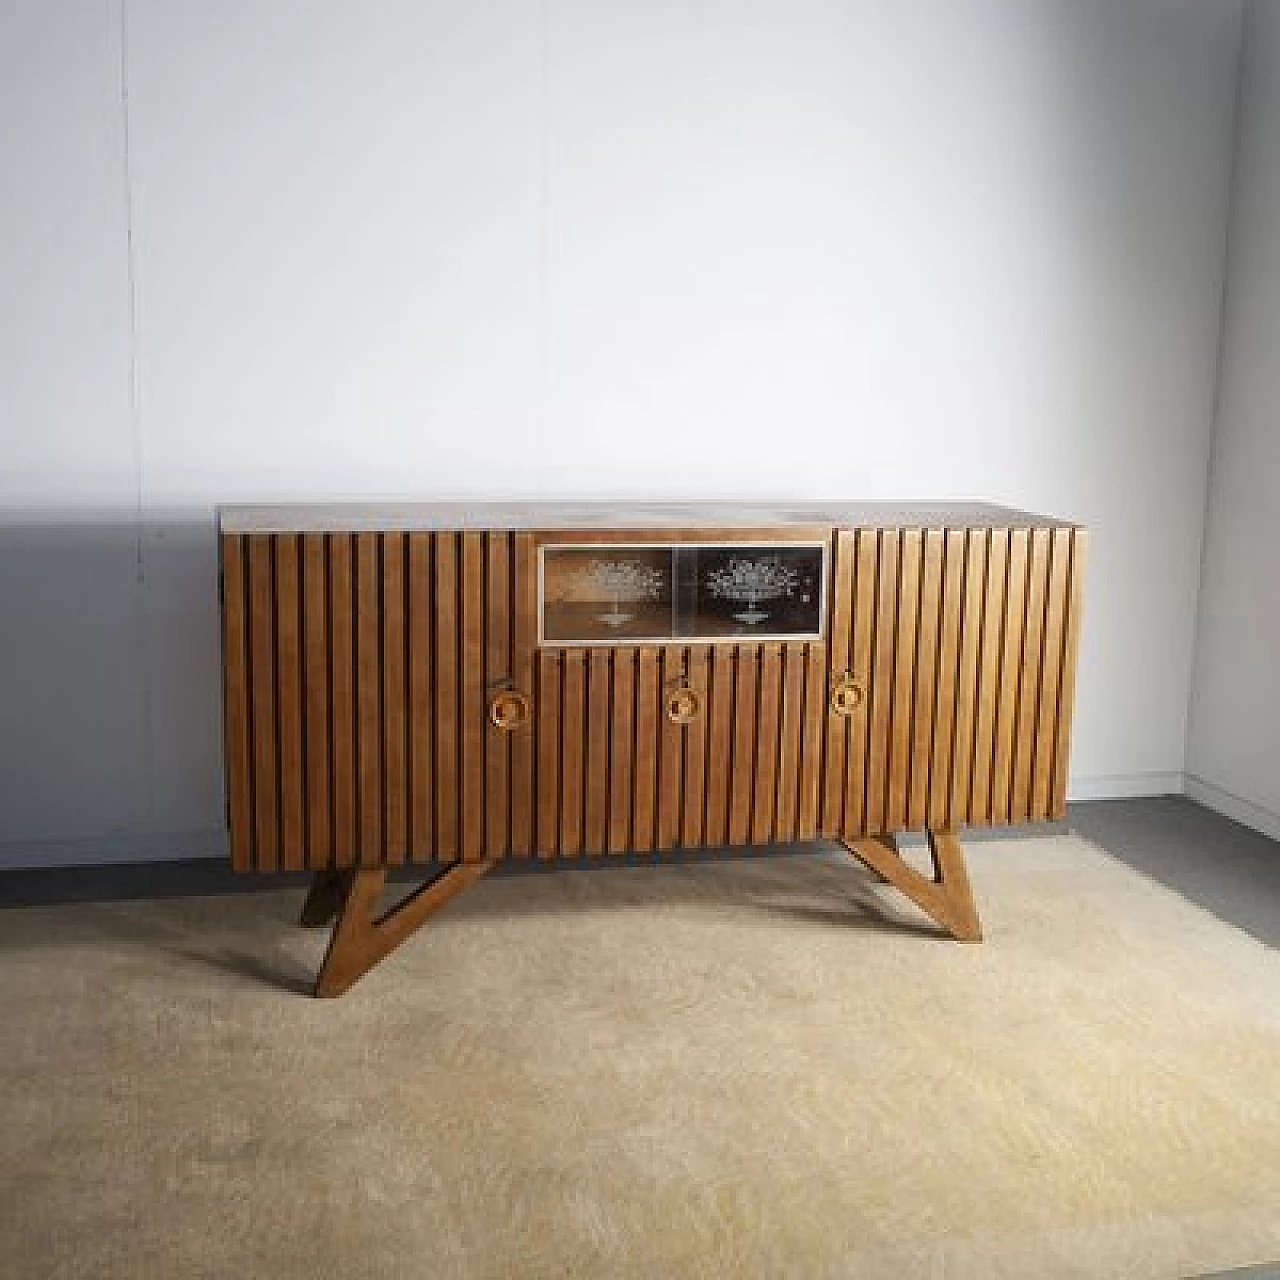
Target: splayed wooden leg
<point>360,940</point>
<point>946,899</point>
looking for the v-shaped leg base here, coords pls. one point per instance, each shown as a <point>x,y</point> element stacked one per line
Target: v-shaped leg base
<point>360,939</point>
<point>946,899</point>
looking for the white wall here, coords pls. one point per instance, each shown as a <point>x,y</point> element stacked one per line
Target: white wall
<point>804,248</point>
<point>72,736</point>
<point>1234,745</point>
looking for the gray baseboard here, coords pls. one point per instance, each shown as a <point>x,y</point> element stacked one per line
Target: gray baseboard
<point>113,849</point>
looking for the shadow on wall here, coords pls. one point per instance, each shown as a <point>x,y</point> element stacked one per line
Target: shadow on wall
<point>110,733</point>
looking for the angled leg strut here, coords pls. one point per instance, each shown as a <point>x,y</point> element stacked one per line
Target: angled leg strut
<point>360,939</point>
<point>946,899</point>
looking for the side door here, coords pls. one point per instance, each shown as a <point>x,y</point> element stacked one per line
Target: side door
<point>359,669</point>
<point>952,677</point>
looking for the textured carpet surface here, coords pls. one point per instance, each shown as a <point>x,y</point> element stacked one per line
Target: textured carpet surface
<point>748,1068</point>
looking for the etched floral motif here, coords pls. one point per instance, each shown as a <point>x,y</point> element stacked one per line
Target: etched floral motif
<point>619,581</point>
<point>753,582</point>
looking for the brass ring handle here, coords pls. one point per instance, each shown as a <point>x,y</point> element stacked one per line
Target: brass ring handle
<point>509,709</point>
<point>683,705</point>
<point>847,696</point>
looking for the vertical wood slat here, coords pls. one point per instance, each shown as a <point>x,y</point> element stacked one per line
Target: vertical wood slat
<point>670,752</point>
<point>646,752</point>
<point>524,636</point>
<point>288,622</point>
<point>1024,742</point>
<point>447,689</point>
<point>1010,672</point>
<point>881,687</point>
<point>742,771</point>
<point>472,701</point>
<point>693,789</point>
<point>977,547</point>
<point>262,662</point>
<point>572,735</point>
<point>1066,694</point>
<point>368,571</point>
<point>622,720</point>
<point>815,710</point>
<point>237,696</point>
<point>342,693</point>
<point>768,714</point>
<point>986,694</point>
<point>860,659</point>
<point>835,791</point>
<point>928,633</point>
<point>497,672</point>
<point>548,756</point>
<point>315,628</point>
<point>394,700</point>
<point>899,779</point>
<point>1051,672</point>
<point>421,767</point>
<point>790,730</point>
<point>722,668</point>
<point>597,762</point>
<point>938,806</point>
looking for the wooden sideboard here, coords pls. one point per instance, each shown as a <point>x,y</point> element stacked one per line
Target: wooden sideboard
<point>460,685</point>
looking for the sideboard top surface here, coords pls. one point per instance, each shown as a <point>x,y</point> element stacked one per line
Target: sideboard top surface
<point>550,515</point>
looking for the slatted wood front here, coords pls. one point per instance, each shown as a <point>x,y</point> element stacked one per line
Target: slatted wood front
<point>358,671</point>
<point>964,642</point>
<point>615,774</point>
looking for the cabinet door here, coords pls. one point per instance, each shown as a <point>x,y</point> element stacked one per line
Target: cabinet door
<point>359,673</point>
<point>462,623</point>
<point>956,650</point>
<point>643,748</point>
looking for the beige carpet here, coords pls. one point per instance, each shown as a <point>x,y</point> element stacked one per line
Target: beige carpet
<point>715,1070</point>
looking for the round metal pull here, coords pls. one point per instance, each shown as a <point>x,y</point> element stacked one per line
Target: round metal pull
<point>683,705</point>
<point>846,696</point>
<point>509,709</point>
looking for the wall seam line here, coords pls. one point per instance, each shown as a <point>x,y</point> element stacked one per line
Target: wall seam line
<point>134,394</point>
<point>1227,256</point>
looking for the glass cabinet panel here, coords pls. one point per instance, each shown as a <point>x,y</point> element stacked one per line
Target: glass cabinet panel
<point>606,595</point>
<point>680,592</point>
<point>753,591</point>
